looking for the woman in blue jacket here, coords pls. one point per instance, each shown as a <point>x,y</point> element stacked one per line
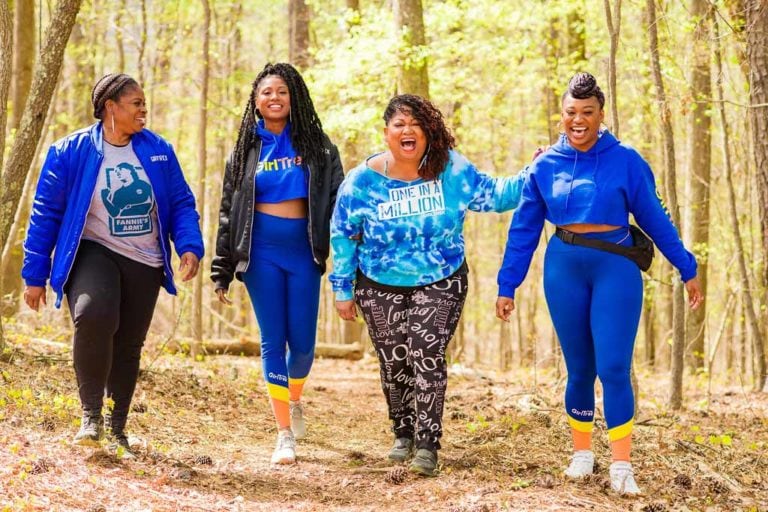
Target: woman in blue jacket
<point>587,185</point>
<point>110,260</point>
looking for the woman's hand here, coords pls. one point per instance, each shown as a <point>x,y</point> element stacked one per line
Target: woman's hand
<point>539,150</point>
<point>693,288</point>
<point>346,309</point>
<point>34,296</point>
<point>221,293</point>
<point>504,307</point>
<point>188,266</point>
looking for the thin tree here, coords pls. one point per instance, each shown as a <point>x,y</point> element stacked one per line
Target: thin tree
<point>614,27</point>
<point>700,132</point>
<point>412,75</point>
<point>746,289</point>
<point>757,54</point>
<point>298,33</point>
<point>202,156</point>
<point>678,299</point>
<point>6,51</point>
<point>43,83</point>
<point>23,56</point>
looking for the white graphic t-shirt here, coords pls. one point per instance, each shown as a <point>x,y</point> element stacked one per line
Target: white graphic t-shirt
<point>123,212</point>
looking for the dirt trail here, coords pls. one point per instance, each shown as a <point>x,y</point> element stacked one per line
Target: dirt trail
<point>206,434</point>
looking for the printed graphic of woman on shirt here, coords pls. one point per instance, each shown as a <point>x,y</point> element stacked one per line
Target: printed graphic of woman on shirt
<point>279,189</point>
<point>126,195</point>
<point>398,251</point>
<point>588,183</point>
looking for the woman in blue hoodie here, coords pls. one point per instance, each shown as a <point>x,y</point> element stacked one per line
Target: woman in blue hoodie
<point>109,199</point>
<point>587,185</point>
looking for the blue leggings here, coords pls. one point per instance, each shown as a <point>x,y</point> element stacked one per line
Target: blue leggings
<point>283,282</point>
<point>595,299</point>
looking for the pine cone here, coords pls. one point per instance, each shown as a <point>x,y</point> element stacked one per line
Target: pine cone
<point>41,465</point>
<point>546,481</point>
<point>397,475</point>
<point>717,486</point>
<point>96,508</point>
<point>657,506</point>
<point>203,460</point>
<point>683,481</point>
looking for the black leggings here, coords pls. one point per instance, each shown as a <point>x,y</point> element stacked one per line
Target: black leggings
<point>410,330</point>
<point>111,300</point>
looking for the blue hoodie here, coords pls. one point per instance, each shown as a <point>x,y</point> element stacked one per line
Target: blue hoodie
<point>602,185</point>
<point>280,175</point>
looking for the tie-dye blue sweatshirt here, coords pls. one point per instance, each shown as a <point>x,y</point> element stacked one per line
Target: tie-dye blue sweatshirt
<point>412,232</point>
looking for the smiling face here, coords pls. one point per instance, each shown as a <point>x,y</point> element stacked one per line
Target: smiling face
<point>581,120</point>
<point>405,137</point>
<point>273,100</point>
<point>129,112</point>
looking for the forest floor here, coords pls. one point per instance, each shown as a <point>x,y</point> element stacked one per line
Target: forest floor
<point>205,434</point>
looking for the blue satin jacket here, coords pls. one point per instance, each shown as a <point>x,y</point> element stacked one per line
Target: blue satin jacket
<point>63,197</point>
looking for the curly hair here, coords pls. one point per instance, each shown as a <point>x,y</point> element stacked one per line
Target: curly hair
<point>307,134</point>
<point>582,86</point>
<point>110,87</point>
<point>439,139</point>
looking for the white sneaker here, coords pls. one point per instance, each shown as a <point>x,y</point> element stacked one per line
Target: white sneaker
<point>285,449</point>
<point>623,478</point>
<point>298,425</point>
<point>582,464</point>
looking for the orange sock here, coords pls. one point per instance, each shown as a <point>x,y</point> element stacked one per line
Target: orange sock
<point>581,440</point>
<point>620,448</point>
<point>295,387</point>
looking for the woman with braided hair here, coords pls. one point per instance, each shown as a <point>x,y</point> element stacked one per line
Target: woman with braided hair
<point>279,188</point>
<point>398,254</point>
<point>587,184</point>
<point>109,199</point>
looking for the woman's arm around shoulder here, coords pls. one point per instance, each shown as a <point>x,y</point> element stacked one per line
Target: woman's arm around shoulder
<point>486,193</point>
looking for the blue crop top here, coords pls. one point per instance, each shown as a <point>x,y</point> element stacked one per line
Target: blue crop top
<point>412,231</point>
<point>280,175</point>
<point>602,185</point>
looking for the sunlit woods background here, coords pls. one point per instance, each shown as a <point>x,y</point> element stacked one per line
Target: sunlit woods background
<point>496,70</point>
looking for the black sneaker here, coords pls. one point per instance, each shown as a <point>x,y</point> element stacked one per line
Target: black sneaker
<point>401,450</point>
<point>91,430</point>
<point>424,462</point>
<point>121,446</point>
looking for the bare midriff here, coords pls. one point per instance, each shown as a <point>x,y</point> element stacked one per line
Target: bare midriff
<point>290,209</point>
<point>588,228</point>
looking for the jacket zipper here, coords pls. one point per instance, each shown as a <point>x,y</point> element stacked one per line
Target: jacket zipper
<point>253,206</point>
<point>309,215</point>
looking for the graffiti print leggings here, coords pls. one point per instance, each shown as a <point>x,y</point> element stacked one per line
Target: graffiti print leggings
<point>410,329</point>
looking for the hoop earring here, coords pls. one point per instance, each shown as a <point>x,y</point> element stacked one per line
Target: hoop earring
<point>424,158</point>
<point>290,116</point>
<point>113,124</point>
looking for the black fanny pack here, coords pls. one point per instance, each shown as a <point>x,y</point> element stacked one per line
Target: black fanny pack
<point>641,251</point>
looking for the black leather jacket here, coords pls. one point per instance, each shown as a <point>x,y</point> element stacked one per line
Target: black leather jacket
<point>233,240</point>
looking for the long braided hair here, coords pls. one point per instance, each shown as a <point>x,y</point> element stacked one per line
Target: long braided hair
<point>307,134</point>
<point>110,87</point>
<point>583,85</point>
<point>439,139</point>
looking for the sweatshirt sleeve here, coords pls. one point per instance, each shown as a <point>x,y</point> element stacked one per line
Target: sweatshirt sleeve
<point>346,222</point>
<point>523,238</point>
<point>489,194</point>
<point>653,217</point>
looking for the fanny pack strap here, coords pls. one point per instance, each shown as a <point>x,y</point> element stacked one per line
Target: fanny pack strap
<point>576,239</point>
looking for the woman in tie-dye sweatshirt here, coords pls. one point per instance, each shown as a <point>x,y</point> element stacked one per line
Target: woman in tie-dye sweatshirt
<point>398,253</point>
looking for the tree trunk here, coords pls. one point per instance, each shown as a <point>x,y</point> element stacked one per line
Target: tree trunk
<point>412,76</point>
<point>6,58</point>
<point>700,132</point>
<point>757,53</point>
<point>746,289</point>
<point>678,300</point>
<point>614,27</point>
<point>202,156</point>
<point>23,56</point>
<point>298,45</point>
<point>43,83</point>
